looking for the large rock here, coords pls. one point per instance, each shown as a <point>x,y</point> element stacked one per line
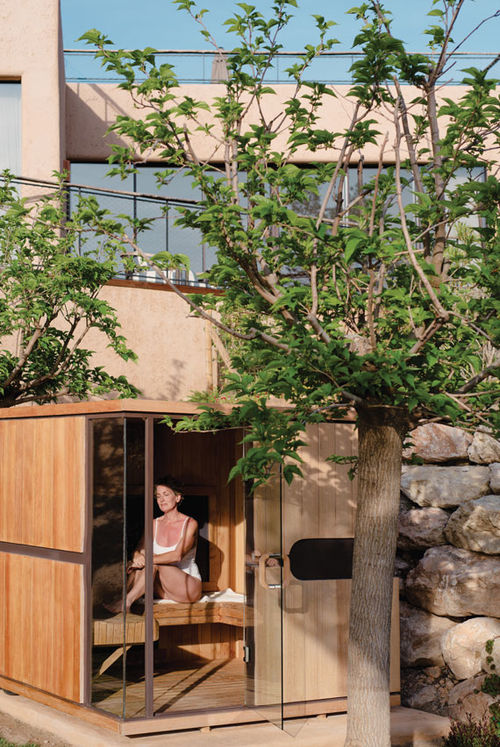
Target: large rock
<point>466,699</point>
<point>495,477</point>
<point>438,443</point>
<point>421,635</point>
<point>421,528</point>
<point>476,526</point>
<point>463,646</point>
<point>455,582</point>
<point>484,449</point>
<point>444,487</point>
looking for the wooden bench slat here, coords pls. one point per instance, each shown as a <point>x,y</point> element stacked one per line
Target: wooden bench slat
<point>110,631</point>
<point>229,613</point>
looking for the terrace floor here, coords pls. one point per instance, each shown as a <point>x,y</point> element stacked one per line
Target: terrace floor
<point>201,685</point>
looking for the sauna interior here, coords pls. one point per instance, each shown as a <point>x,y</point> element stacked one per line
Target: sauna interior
<point>198,649</point>
<point>268,639</point>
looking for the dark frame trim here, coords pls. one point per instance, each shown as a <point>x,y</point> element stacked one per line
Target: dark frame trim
<point>148,541</point>
<point>87,589</point>
<point>47,553</point>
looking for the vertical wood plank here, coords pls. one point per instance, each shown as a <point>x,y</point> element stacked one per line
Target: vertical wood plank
<point>42,482</point>
<point>40,624</point>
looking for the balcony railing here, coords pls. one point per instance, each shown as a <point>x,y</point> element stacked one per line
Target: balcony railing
<point>207,66</point>
<point>162,236</point>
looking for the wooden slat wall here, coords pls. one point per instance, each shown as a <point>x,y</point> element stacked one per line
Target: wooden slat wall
<point>187,643</point>
<point>315,613</point>
<point>316,619</point>
<point>323,503</point>
<point>42,482</point>
<point>41,626</point>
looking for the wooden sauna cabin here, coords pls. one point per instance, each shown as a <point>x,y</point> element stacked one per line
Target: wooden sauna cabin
<point>268,639</point>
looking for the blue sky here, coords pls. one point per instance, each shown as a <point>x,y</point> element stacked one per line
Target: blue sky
<point>158,23</point>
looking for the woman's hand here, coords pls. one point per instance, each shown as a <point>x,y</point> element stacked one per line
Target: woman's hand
<point>137,563</point>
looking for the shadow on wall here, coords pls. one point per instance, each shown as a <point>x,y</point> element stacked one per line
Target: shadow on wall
<point>87,136</point>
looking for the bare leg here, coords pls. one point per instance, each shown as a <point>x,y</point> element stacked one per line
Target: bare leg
<point>172,583</point>
<point>136,586</point>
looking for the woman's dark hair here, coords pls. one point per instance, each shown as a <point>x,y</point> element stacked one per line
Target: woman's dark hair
<point>170,482</point>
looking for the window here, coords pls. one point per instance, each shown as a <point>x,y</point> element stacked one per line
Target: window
<point>163,234</point>
<point>10,126</point>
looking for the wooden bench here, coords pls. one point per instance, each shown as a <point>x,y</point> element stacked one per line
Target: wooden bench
<point>110,632</point>
<point>177,613</point>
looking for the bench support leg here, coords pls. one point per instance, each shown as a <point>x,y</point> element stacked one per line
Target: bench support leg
<point>112,658</point>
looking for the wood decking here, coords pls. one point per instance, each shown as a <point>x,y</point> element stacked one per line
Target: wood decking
<point>199,685</point>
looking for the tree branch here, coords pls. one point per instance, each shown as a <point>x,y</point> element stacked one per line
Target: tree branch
<point>426,335</point>
<point>369,312</point>
<point>404,227</point>
<point>444,46</point>
<point>492,370</point>
<point>37,334</point>
<point>409,140</point>
<point>328,193</point>
<point>377,177</point>
<point>197,309</point>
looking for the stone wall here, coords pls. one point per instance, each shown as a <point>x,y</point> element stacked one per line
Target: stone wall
<point>449,564</point>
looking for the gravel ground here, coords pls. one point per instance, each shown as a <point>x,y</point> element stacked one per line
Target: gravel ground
<point>20,733</point>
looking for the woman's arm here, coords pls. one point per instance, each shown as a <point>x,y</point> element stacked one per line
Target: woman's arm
<point>188,541</point>
<point>138,558</point>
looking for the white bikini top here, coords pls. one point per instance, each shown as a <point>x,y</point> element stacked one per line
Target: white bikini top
<point>159,549</point>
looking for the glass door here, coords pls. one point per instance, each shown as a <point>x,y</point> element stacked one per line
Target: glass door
<point>264,595</point>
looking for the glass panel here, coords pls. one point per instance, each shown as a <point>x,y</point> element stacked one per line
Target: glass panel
<point>189,671</point>
<point>463,176</point>
<point>162,233</point>
<point>118,522</point>
<point>198,663</point>
<point>107,564</point>
<point>369,172</point>
<point>264,593</point>
<point>135,622</point>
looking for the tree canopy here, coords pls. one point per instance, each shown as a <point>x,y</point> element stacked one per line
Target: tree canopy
<point>383,295</point>
<point>49,301</point>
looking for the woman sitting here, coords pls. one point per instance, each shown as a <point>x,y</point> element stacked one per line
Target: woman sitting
<point>176,575</point>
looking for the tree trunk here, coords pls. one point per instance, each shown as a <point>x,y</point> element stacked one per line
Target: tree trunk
<point>381,433</point>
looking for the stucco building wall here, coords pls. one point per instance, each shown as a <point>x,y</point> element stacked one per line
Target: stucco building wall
<point>31,52</point>
<point>92,108</point>
<point>173,348</point>
<point>68,122</point>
